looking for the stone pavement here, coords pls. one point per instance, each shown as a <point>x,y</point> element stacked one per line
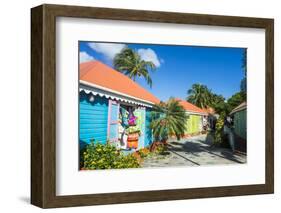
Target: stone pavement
<point>193,151</point>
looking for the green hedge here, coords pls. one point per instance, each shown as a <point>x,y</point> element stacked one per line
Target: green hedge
<point>99,156</point>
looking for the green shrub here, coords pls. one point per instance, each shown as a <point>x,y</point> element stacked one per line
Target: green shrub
<point>127,161</point>
<point>160,149</point>
<point>144,152</point>
<point>219,130</point>
<point>99,156</point>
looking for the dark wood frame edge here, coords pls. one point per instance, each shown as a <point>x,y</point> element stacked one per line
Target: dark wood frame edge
<point>43,105</point>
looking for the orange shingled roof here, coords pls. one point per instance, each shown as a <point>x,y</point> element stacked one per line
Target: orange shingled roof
<point>100,74</point>
<point>209,110</point>
<point>190,107</point>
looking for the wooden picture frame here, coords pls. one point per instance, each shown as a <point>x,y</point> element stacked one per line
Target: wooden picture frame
<point>43,105</point>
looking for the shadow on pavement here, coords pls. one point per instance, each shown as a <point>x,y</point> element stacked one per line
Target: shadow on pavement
<point>195,146</point>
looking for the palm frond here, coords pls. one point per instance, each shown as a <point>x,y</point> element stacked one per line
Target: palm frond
<point>169,119</point>
<point>129,62</point>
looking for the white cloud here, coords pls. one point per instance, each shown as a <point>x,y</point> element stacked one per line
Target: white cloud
<point>84,57</point>
<point>107,49</point>
<point>149,55</point>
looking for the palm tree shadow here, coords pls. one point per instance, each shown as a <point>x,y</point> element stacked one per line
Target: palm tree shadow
<point>230,156</point>
<point>195,148</point>
<point>187,147</point>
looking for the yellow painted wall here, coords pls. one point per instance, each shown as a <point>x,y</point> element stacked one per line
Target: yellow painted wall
<point>193,124</point>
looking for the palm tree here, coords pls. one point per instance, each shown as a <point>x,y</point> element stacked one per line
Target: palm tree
<point>129,62</point>
<point>199,95</point>
<point>168,119</point>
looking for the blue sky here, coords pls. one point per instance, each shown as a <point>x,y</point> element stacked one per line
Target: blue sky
<point>178,67</point>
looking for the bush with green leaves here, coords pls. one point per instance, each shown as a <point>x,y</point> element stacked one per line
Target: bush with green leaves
<point>144,152</point>
<point>219,130</point>
<point>100,156</point>
<point>161,149</point>
<point>127,161</point>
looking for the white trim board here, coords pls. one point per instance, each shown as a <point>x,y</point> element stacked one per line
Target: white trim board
<point>112,93</point>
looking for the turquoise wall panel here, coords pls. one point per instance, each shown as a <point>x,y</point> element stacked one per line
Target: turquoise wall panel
<point>140,114</point>
<point>93,117</point>
<point>148,133</point>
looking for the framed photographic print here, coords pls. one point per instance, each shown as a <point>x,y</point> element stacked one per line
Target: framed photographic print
<point>136,106</point>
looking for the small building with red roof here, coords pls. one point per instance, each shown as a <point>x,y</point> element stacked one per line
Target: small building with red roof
<point>113,108</point>
<point>197,118</point>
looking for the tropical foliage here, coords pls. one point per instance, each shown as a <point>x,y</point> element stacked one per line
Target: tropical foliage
<point>160,149</point>
<point>168,119</point>
<point>99,156</point>
<point>203,97</point>
<point>235,100</point>
<point>199,95</point>
<point>219,129</point>
<point>144,152</point>
<point>129,62</point>
<point>219,104</point>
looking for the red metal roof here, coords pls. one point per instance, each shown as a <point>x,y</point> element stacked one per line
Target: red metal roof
<point>190,107</point>
<point>97,73</point>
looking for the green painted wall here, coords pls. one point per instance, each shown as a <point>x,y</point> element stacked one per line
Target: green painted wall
<point>140,114</point>
<point>240,123</point>
<point>193,124</point>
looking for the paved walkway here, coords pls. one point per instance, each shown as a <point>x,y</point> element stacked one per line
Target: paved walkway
<point>194,151</point>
